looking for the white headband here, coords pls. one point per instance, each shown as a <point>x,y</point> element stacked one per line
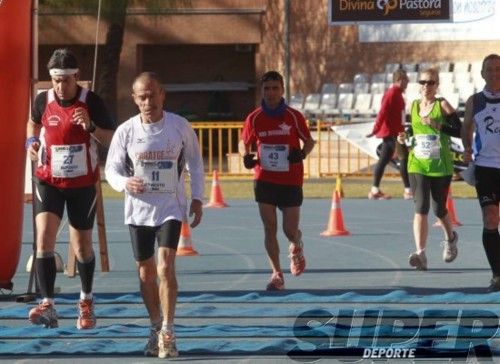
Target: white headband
<point>63,71</point>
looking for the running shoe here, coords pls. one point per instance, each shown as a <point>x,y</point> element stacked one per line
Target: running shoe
<point>86,318</point>
<point>151,348</point>
<point>450,249</point>
<point>378,196</point>
<point>494,284</point>
<point>297,260</point>
<point>408,195</point>
<point>166,345</point>
<point>44,314</point>
<point>276,283</point>
<point>418,260</point>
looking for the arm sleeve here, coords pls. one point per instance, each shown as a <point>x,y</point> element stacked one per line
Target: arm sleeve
<point>453,125</point>
<point>194,162</point>
<point>39,107</point>
<point>116,162</point>
<point>98,112</point>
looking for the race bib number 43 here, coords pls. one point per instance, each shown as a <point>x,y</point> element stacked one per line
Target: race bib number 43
<point>157,175</point>
<point>69,161</point>
<point>274,157</point>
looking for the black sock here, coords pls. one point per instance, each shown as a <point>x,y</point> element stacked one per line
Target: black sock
<point>86,271</point>
<point>45,269</point>
<point>491,243</point>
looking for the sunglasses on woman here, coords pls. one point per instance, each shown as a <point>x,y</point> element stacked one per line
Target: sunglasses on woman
<point>427,82</point>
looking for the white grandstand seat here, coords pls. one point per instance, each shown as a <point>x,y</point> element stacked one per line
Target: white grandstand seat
<point>297,101</point>
<point>446,89</point>
<point>413,88</point>
<point>329,88</point>
<point>344,106</point>
<point>464,91</point>
<point>360,88</point>
<point>445,78</point>
<point>412,76</point>
<point>328,103</point>
<point>377,102</point>
<point>379,77</point>
<point>388,77</point>
<point>361,78</point>
<point>422,66</point>
<point>363,107</point>
<point>461,77</point>
<point>443,66</point>
<point>311,104</point>
<point>377,87</point>
<point>391,67</point>
<point>461,66</point>
<point>478,83</point>
<point>409,98</point>
<point>475,67</point>
<point>409,67</point>
<point>453,99</point>
<point>346,88</point>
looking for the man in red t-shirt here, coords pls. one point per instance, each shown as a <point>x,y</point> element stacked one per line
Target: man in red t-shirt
<point>276,129</point>
<point>388,125</point>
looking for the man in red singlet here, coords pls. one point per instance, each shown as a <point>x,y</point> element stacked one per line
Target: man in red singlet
<point>67,121</point>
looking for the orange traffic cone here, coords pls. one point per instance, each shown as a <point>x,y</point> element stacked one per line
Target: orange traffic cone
<point>185,246</point>
<point>216,199</point>
<point>336,221</point>
<point>450,206</point>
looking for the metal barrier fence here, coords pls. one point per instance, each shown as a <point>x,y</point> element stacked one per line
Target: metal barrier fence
<point>330,157</point>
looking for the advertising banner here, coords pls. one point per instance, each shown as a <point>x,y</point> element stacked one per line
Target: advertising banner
<point>472,20</point>
<point>342,12</point>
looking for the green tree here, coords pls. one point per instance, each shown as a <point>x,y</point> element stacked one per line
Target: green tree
<point>114,12</point>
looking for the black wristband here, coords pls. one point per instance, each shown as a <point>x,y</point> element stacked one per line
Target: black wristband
<point>92,127</point>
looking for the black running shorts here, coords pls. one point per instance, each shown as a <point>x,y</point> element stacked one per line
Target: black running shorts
<point>80,203</point>
<point>277,194</point>
<point>487,185</point>
<point>143,238</point>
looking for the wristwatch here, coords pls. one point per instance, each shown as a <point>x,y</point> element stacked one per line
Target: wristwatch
<point>92,127</point>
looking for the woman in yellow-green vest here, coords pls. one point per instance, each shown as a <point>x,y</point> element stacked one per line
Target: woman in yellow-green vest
<point>430,165</point>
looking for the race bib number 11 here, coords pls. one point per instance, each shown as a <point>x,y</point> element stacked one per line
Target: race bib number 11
<point>157,175</point>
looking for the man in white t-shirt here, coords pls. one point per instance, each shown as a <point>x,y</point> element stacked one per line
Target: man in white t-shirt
<point>146,159</point>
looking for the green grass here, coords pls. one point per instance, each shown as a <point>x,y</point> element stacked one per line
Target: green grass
<point>354,187</point>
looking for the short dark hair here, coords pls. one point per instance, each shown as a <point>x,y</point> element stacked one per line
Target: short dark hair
<point>272,76</point>
<point>62,58</point>
<point>489,57</point>
<point>399,74</point>
<point>153,76</point>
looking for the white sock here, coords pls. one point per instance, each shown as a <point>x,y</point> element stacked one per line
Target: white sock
<point>86,296</point>
<point>167,328</point>
<point>407,190</point>
<point>375,189</point>
<point>48,300</point>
